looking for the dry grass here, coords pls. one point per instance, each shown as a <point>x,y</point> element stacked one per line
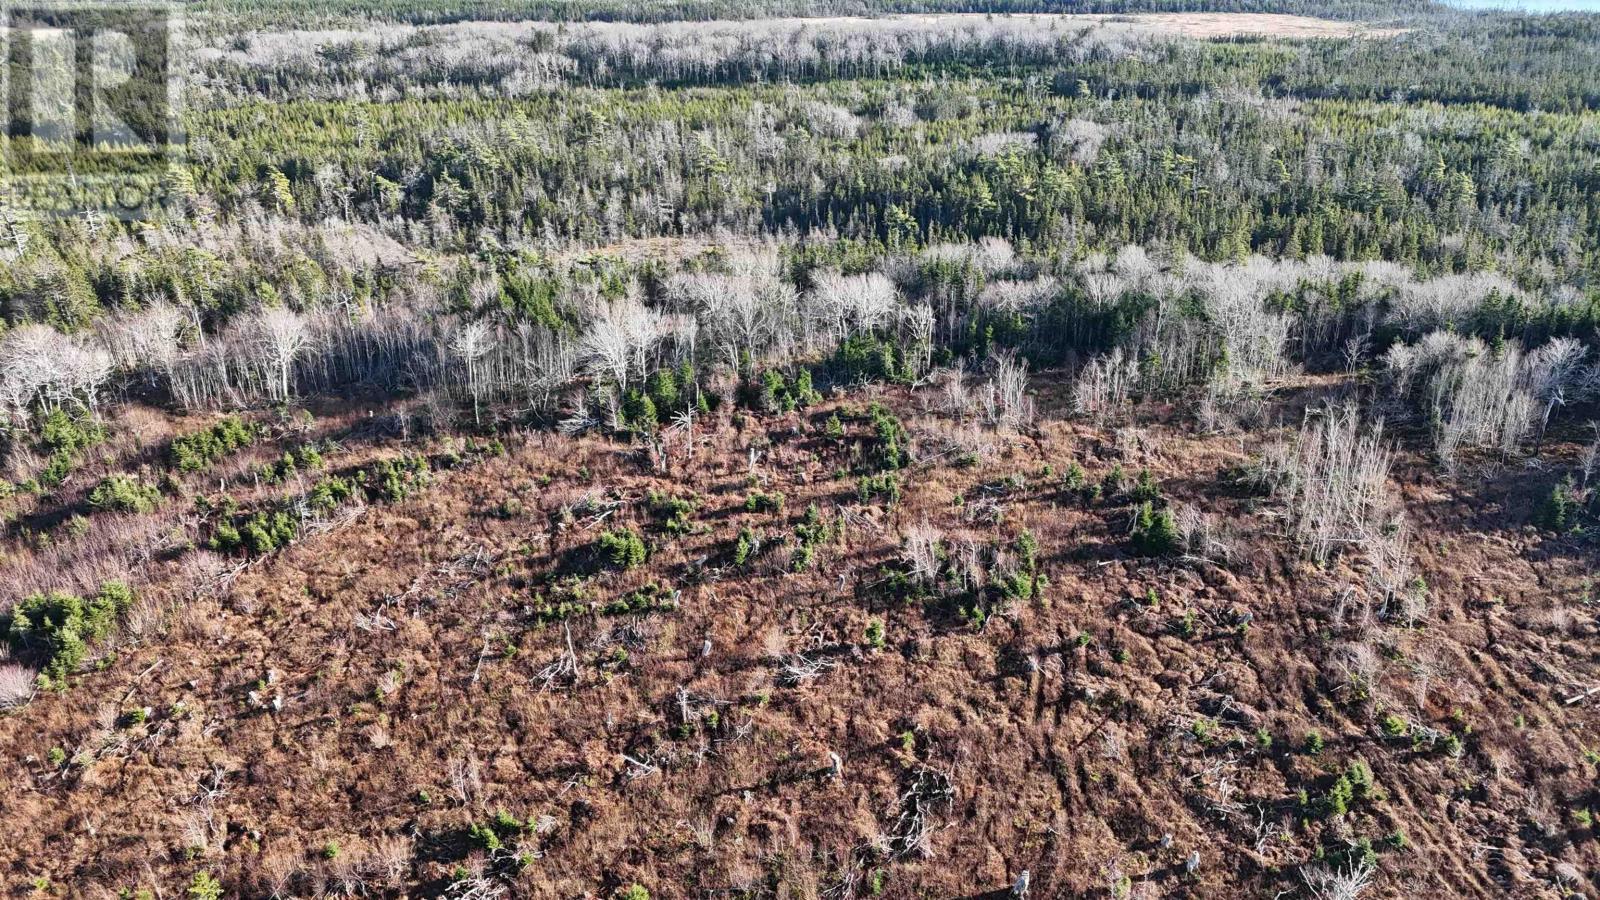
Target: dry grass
<point>383,687</point>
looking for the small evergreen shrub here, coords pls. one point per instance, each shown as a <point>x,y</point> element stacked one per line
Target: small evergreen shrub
<point>622,548</point>
<point>124,493</point>
<point>65,437</point>
<point>762,501</point>
<point>60,627</point>
<point>1155,533</point>
<point>653,597</point>
<point>393,480</point>
<point>874,634</point>
<point>746,547</point>
<point>200,450</point>
<point>674,513</point>
<point>884,486</point>
<point>205,887</point>
<point>1559,511</point>
<point>639,412</point>
<point>1145,490</point>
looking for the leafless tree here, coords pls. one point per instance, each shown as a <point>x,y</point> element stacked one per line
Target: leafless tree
<point>619,340</point>
<point>1334,481</point>
<point>1348,882</point>
<point>277,337</point>
<point>1103,388</point>
<point>42,367</point>
<point>1552,371</point>
<point>470,345</point>
<point>1589,458</point>
<point>916,325</point>
<point>147,341</point>
<point>1005,397</point>
<point>921,552</point>
<point>799,669</point>
<point>850,304</point>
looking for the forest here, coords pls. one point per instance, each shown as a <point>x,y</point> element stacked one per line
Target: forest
<point>816,448</point>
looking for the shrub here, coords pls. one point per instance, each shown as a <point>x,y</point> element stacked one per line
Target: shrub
<point>885,486</point>
<point>1155,533</point>
<point>393,480</point>
<point>259,534</point>
<point>65,437</point>
<point>874,634</point>
<point>484,836</point>
<point>266,532</point>
<point>761,501</point>
<point>674,512</point>
<point>307,457</point>
<point>63,433</point>
<point>205,887</point>
<point>890,438</point>
<point>1115,482</point>
<point>833,428</point>
<point>812,532</point>
<point>1027,547</point>
<point>866,356</point>
<point>281,470</point>
<point>1074,479</point>
<point>664,390</point>
<point>311,457</point>
<point>747,546</point>
<point>653,597</point>
<point>200,450</point>
<point>622,548</point>
<point>633,892</point>
<point>55,472</point>
<point>125,493</point>
<point>1559,511</point>
<point>1354,785</point>
<point>639,412</point>
<point>1145,490</point>
<point>330,492</point>
<point>772,392</point>
<point>60,627</point>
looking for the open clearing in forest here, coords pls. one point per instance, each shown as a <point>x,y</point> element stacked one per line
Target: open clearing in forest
<point>1195,25</point>
<point>269,46</point>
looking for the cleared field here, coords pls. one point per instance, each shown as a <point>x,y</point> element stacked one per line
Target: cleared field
<point>1195,25</point>
<point>504,40</point>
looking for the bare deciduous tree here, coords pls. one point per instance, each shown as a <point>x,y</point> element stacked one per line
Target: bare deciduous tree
<point>849,304</point>
<point>1005,397</point>
<point>40,366</point>
<point>470,345</point>
<point>277,337</point>
<point>1338,883</point>
<point>1105,385</point>
<point>619,340</point>
<point>922,551</point>
<point>1334,481</point>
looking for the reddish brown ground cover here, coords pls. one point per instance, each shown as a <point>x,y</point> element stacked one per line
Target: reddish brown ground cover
<point>338,717</point>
